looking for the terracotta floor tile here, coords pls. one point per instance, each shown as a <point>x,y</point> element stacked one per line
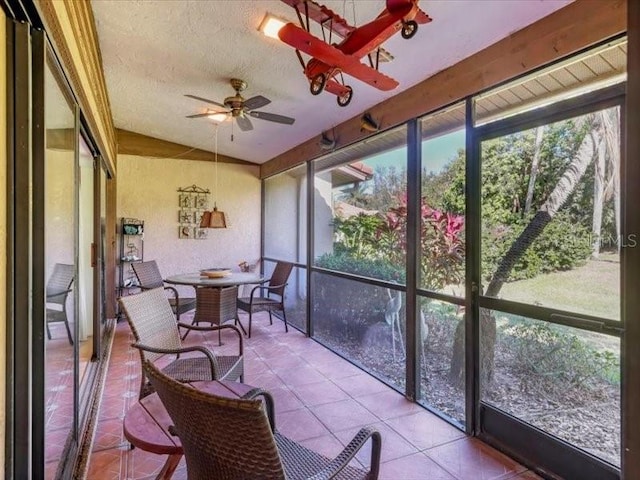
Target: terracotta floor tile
<point>413,467</point>
<point>388,404</point>
<point>359,385</point>
<point>343,415</point>
<point>267,380</point>
<point>337,369</point>
<point>109,434</point>
<point>319,393</point>
<point>300,425</point>
<point>327,445</point>
<point>285,400</point>
<point>300,376</point>
<point>470,459</point>
<point>141,464</point>
<point>105,465</point>
<point>424,430</point>
<point>393,445</point>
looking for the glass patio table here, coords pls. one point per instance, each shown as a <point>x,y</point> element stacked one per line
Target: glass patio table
<point>216,297</point>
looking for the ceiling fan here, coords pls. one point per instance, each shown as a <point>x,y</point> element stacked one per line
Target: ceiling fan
<point>240,109</point>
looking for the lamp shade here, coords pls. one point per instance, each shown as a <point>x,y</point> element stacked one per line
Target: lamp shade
<point>213,219</point>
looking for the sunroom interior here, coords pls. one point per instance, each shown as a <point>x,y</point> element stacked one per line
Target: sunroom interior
<point>462,247</point>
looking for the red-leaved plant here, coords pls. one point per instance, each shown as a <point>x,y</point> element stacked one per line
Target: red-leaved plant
<point>441,243</point>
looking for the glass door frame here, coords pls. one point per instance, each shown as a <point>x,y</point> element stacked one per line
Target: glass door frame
<point>514,436</point>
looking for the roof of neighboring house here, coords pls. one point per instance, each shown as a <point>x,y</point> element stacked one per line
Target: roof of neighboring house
<point>344,210</point>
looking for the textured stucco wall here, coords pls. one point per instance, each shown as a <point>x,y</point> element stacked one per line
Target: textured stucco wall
<point>147,189</point>
<point>282,204</point>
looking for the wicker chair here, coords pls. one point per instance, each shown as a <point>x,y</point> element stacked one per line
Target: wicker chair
<point>257,302</point>
<point>57,291</point>
<point>149,276</point>
<point>233,439</point>
<point>156,332</point>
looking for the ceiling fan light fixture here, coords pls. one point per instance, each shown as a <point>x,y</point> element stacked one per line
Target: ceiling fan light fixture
<point>218,117</point>
<point>271,25</point>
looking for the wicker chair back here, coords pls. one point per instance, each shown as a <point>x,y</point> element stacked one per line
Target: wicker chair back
<point>280,277</point>
<point>222,438</point>
<point>59,283</point>
<point>148,274</point>
<point>152,321</point>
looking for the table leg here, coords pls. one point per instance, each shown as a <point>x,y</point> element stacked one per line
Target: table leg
<point>169,467</point>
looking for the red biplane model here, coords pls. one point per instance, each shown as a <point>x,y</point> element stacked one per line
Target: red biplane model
<point>330,59</point>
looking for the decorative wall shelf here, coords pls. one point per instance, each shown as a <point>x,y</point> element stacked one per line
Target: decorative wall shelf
<point>192,203</point>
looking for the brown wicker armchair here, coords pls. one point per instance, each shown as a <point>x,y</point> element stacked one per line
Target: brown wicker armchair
<point>233,439</point>
<point>149,276</point>
<point>58,289</point>
<point>261,296</point>
<point>156,332</point>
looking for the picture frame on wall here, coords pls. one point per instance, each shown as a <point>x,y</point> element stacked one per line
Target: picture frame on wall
<point>185,231</point>
<point>186,200</point>
<point>202,201</point>
<point>200,233</point>
<point>185,216</point>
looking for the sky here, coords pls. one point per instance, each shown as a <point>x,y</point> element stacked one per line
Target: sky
<point>436,153</point>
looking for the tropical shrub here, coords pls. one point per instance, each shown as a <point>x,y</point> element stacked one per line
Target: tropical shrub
<point>552,359</point>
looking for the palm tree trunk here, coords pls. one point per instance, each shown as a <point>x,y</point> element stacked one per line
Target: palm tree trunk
<point>560,194</point>
<point>598,199</point>
<point>534,169</point>
<point>563,190</point>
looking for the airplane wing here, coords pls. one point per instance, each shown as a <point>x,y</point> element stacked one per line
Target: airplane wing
<point>422,17</point>
<point>323,15</point>
<point>302,40</point>
<point>327,18</point>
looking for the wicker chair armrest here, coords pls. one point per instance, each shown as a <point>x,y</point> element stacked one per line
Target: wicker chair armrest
<point>177,351</point>
<point>265,287</point>
<point>58,294</point>
<point>268,403</point>
<point>350,451</point>
<point>217,327</point>
<point>174,291</point>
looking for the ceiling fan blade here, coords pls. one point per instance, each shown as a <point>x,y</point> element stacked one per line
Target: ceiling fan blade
<point>272,117</point>
<point>200,115</point>
<point>256,102</point>
<point>244,123</point>
<point>206,100</point>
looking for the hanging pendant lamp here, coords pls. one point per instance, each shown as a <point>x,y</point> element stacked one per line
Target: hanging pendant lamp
<point>214,218</point>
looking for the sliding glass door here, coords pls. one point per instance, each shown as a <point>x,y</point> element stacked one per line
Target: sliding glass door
<point>549,275</point>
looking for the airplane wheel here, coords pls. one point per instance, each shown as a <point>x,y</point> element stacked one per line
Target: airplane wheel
<point>409,29</point>
<point>345,99</point>
<point>317,84</point>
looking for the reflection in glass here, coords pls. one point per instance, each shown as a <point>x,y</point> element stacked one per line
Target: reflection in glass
<point>562,380</point>
<point>285,213</point>
<point>442,262</point>
<point>60,270</point>
<point>364,323</point>
<point>441,326</point>
<point>295,299</point>
<point>85,268</point>
<point>551,232</point>
<point>360,208</point>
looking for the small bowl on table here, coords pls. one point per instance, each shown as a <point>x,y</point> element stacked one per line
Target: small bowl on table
<point>216,272</point>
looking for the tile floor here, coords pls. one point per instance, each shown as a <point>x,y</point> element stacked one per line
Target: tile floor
<point>321,401</point>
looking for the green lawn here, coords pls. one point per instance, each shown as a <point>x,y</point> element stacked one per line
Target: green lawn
<point>592,289</point>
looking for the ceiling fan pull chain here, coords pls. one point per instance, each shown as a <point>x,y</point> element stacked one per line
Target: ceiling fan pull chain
<point>215,159</point>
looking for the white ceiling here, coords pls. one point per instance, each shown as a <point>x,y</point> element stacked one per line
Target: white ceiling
<point>156,51</point>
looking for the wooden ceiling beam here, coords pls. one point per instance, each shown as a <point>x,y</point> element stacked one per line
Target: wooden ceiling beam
<point>131,143</point>
<point>566,31</point>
